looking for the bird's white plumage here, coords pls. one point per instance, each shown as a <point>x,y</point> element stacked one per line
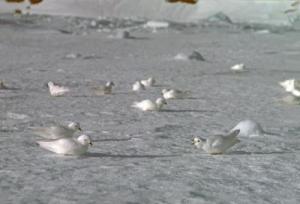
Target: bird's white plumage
<point>57,131</point>
<point>217,144</point>
<point>296,93</point>
<point>148,82</point>
<point>67,146</point>
<point>138,86</point>
<point>292,86</point>
<point>56,90</point>
<point>248,128</point>
<point>174,94</point>
<point>148,105</point>
<point>288,85</point>
<point>238,68</point>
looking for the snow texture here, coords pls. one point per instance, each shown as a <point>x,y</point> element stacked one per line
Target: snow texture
<point>141,157</point>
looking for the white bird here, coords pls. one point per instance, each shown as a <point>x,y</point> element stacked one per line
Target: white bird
<point>56,90</point>
<point>104,90</point>
<point>148,82</point>
<point>217,144</point>
<point>248,128</point>
<point>148,105</point>
<point>238,68</point>
<point>288,85</point>
<point>174,94</point>
<point>292,86</point>
<point>296,88</point>
<point>57,131</point>
<point>296,93</point>
<point>67,146</point>
<point>138,86</point>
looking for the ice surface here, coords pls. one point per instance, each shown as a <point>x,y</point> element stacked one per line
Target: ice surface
<point>142,157</point>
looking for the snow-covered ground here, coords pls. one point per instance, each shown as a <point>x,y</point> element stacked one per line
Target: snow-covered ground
<point>147,157</point>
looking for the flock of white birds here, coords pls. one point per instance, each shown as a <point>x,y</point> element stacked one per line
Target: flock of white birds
<point>60,139</point>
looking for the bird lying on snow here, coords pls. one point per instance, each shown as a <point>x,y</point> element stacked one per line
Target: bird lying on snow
<point>174,94</point>
<point>238,68</point>
<point>217,144</point>
<point>249,128</point>
<point>56,90</point>
<point>148,105</point>
<point>67,146</point>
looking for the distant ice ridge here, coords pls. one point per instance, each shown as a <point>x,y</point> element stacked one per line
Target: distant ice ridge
<point>239,11</point>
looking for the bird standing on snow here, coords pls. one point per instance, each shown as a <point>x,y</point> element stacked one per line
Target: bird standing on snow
<point>148,105</point>
<point>67,146</point>
<point>217,144</point>
<point>56,90</point>
<point>57,131</point>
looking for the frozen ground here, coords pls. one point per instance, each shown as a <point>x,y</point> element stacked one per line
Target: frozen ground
<point>147,157</point>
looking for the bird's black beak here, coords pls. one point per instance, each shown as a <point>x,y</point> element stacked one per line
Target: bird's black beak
<point>91,143</point>
<point>79,129</point>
